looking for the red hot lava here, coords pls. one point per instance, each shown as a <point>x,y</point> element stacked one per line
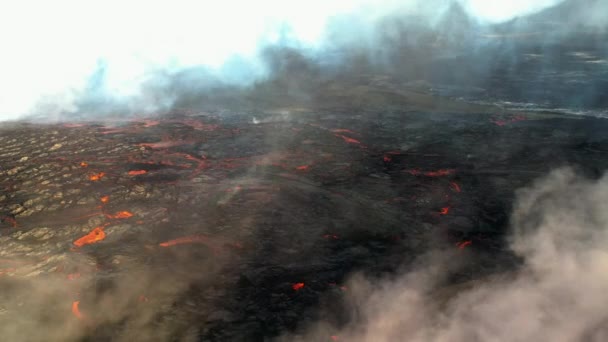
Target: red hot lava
<point>349,140</point>
<point>137,172</point>
<point>120,215</point>
<point>97,176</point>
<point>94,236</point>
<point>444,211</point>
<point>76,310</point>
<point>297,286</point>
<point>462,245</point>
<point>185,240</point>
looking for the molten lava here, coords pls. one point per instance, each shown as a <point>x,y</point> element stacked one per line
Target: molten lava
<point>137,172</point>
<point>83,164</point>
<point>120,215</point>
<point>297,286</point>
<point>97,176</point>
<point>303,167</point>
<point>444,211</point>
<point>462,245</point>
<point>185,240</point>
<point>94,236</point>
<point>455,186</point>
<point>105,199</point>
<point>76,310</point>
<point>439,173</point>
<point>348,140</point>
<point>513,119</point>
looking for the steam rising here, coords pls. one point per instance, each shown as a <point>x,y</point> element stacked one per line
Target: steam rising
<point>560,230</point>
<point>69,57</point>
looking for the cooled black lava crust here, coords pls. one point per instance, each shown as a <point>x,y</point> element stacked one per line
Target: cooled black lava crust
<point>227,213</point>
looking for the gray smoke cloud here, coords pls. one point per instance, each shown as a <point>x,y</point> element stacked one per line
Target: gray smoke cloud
<point>560,230</point>
<point>154,58</point>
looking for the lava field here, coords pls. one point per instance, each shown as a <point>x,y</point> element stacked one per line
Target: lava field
<point>215,227</point>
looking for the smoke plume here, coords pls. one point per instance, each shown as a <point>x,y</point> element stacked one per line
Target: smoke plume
<point>560,230</point>
<point>69,59</point>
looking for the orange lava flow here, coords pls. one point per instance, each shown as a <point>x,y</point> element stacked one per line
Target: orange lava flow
<point>97,176</point>
<point>348,140</point>
<point>137,172</point>
<point>94,236</point>
<point>444,211</point>
<point>297,286</point>
<point>184,240</point>
<point>84,164</point>
<point>105,199</point>
<point>303,167</point>
<point>455,186</point>
<point>120,215</point>
<point>438,173</point>
<point>462,245</point>
<point>76,310</point>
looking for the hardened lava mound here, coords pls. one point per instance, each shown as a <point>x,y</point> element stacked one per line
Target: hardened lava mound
<point>245,227</point>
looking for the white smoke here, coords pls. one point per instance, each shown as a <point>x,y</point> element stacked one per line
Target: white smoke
<point>51,49</point>
<point>560,230</point>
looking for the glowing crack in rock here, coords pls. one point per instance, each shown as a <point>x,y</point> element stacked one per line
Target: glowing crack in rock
<point>120,215</point>
<point>297,286</point>
<point>185,240</point>
<point>97,176</point>
<point>462,245</point>
<point>76,310</point>
<point>137,172</point>
<point>94,236</point>
<point>349,140</point>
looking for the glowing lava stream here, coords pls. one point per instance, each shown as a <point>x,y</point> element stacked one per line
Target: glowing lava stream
<point>94,236</point>
<point>462,245</point>
<point>120,215</point>
<point>185,240</point>
<point>76,310</point>
<point>137,172</point>
<point>97,176</point>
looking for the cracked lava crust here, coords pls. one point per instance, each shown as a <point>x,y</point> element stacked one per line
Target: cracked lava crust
<point>209,227</point>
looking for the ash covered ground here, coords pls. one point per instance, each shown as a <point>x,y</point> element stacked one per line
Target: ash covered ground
<point>245,227</point>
